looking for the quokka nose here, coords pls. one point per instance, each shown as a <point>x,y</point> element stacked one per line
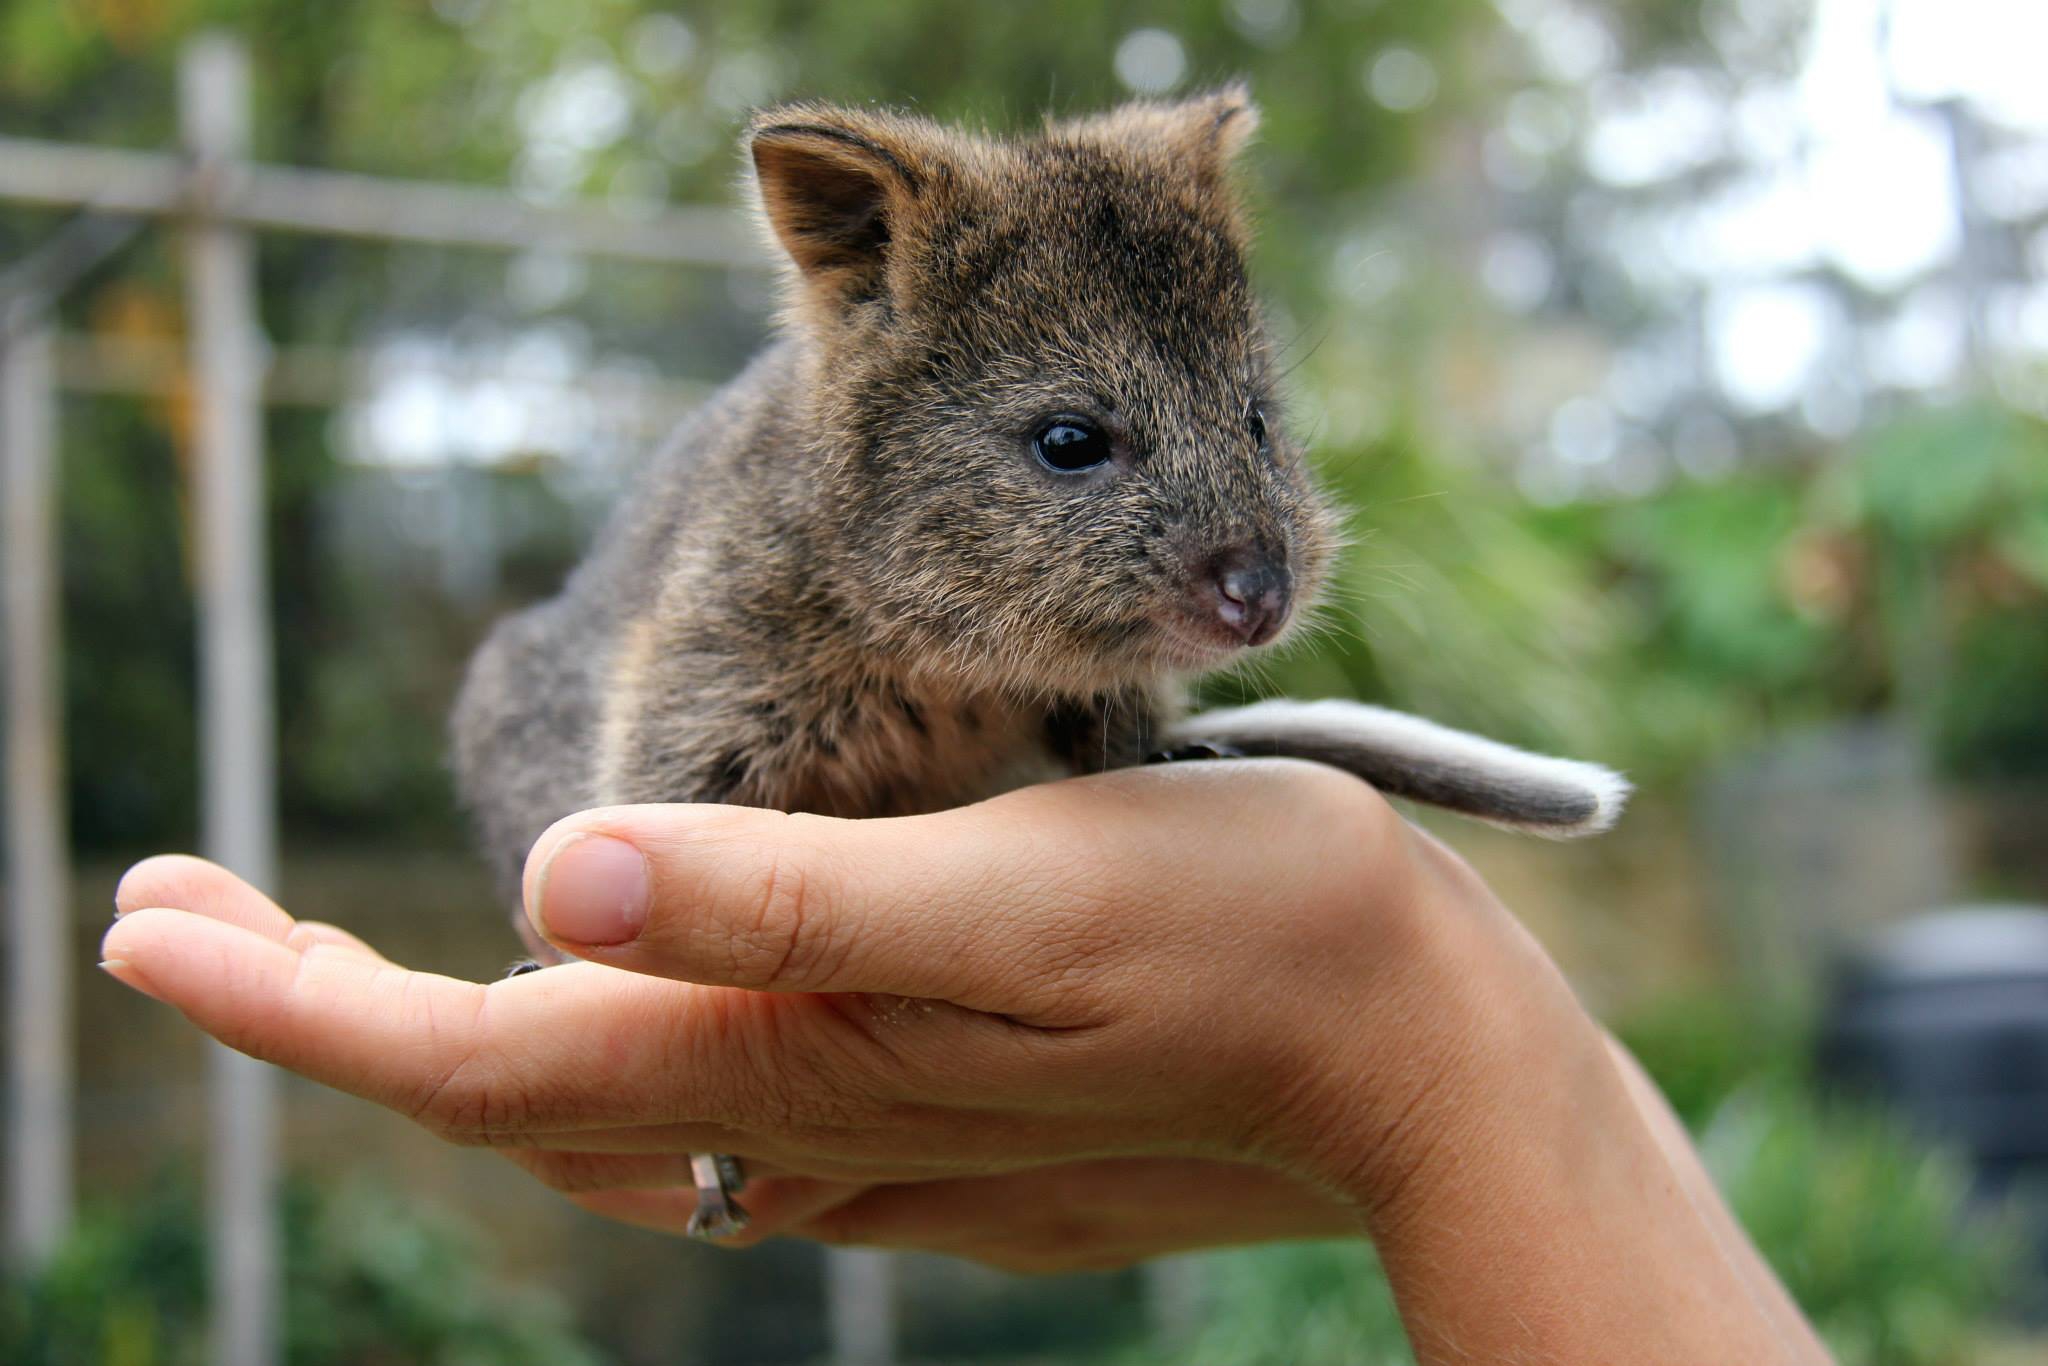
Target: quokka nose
<point>1250,593</point>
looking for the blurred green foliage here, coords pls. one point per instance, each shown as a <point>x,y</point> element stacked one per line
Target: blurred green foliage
<point>1905,570</point>
<point>367,660</point>
<point>1301,1304</point>
<point>1702,1048</point>
<point>1876,1234</point>
<point>1870,1231</point>
<point>371,1279</point>
<point>1868,1228</point>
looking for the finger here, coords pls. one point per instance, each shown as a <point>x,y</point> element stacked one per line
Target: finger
<point>575,1173</point>
<point>1104,1212</point>
<point>202,888</point>
<point>627,1140</point>
<point>308,934</point>
<point>992,906</point>
<point>775,1205</point>
<point>574,1047</point>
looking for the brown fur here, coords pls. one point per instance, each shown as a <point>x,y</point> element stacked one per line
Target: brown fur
<point>849,586</point>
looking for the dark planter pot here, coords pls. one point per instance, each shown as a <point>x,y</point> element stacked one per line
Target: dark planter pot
<point>1945,1017</point>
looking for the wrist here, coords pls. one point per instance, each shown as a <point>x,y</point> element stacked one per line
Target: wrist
<point>1466,1051</point>
<point>1521,1203</point>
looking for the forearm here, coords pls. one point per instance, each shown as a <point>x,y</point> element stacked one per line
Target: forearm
<point>1535,1200</point>
<point>1768,1291</point>
<point>1562,1226</point>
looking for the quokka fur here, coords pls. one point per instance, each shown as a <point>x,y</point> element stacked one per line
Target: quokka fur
<point>850,585</point>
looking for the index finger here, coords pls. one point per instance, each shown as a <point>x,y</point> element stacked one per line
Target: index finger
<point>576,1047</point>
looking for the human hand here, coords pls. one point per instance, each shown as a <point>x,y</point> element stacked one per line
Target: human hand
<point>1089,1215</point>
<point>1243,963</point>
<point>1122,983</point>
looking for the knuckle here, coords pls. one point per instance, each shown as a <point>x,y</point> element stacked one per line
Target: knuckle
<point>438,1103</point>
<point>1069,968</point>
<point>775,1064</point>
<point>789,935</point>
<point>1080,930</point>
<point>469,1102</point>
<point>1322,794</point>
<point>819,1108</point>
<point>448,1103</point>
<point>770,940</point>
<point>1362,839</point>
<point>474,1114</point>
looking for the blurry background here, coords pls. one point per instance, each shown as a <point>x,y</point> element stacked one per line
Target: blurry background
<point>1686,362</point>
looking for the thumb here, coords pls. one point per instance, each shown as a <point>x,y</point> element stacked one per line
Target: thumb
<point>744,897</point>
<point>1006,906</point>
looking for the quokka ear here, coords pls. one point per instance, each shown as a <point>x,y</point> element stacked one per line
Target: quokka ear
<point>1201,134</point>
<point>837,187</point>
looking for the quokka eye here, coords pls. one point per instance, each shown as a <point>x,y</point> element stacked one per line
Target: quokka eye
<point>1070,445</point>
<point>1256,421</point>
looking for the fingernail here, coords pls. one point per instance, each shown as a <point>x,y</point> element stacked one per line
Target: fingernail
<point>126,973</point>
<point>593,890</point>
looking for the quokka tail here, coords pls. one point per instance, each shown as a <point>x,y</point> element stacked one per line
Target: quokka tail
<point>1406,756</point>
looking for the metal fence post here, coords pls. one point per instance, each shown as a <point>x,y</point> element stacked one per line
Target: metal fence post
<point>236,721</point>
<point>1176,1299</point>
<point>860,1306</point>
<point>39,965</point>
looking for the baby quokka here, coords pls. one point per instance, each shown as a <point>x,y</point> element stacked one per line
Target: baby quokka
<point>1012,475</point>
